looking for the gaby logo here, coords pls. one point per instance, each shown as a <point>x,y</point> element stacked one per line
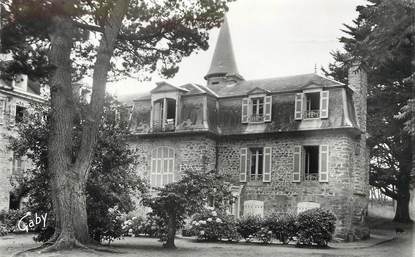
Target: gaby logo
<point>27,222</point>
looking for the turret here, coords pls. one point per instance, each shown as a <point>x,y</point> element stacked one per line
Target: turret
<point>223,69</point>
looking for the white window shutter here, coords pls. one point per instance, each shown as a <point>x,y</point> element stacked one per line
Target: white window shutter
<point>245,107</point>
<point>243,165</point>
<point>297,164</point>
<point>267,164</point>
<point>2,109</point>
<point>268,108</point>
<point>12,113</point>
<point>324,104</point>
<point>298,115</point>
<point>323,164</point>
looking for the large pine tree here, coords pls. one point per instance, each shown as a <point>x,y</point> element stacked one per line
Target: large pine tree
<point>382,38</point>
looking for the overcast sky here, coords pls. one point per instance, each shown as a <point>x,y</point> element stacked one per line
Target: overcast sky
<point>271,38</point>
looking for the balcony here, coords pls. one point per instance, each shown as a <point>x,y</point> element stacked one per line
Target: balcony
<point>312,114</point>
<point>256,118</point>
<point>167,126</point>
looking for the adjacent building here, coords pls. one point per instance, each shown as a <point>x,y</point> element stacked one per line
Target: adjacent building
<point>287,143</point>
<point>15,99</point>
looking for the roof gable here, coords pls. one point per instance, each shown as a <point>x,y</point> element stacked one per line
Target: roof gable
<point>258,90</point>
<point>166,87</point>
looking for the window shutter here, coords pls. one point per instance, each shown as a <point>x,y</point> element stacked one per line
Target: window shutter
<point>267,164</point>
<point>2,109</point>
<point>268,108</point>
<point>297,164</point>
<point>298,115</point>
<point>245,105</point>
<point>324,104</point>
<point>12,113</point>
<point>323,164</point>
<point>244,165</point>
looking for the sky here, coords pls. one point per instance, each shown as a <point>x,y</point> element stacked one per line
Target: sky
<point>271,38</point>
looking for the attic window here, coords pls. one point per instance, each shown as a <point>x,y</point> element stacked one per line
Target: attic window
<point>312,110</point>
<point>256,109</point>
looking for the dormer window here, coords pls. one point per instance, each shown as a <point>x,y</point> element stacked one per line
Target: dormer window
<point>164,115</point>
<point>257,108</point>
<point>312,105</point>
<point>257,114</point>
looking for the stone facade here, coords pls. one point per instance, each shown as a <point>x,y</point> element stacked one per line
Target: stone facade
<point>12,97</point>
<point>288,144</point>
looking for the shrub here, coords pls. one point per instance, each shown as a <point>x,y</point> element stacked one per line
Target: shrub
<point>283,226</point>
<point>10,218</point>
<point>114,227</point>
<point>315,227</point>
<point>214,225</point>
<point>3,229</point>
<point>249,226</point>
<point>264,234</point>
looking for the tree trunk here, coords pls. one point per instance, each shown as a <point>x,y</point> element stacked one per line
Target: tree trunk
<point>403,197</point>
<point>68,196</point>
<point>69,172</point>
<point>171,232</point>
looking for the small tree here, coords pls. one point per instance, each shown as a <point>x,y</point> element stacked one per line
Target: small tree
<point>181,199</point>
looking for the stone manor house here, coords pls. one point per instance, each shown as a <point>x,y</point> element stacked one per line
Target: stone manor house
<point>288,143</point>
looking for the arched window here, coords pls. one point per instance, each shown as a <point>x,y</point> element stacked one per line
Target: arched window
<point>162,166</point>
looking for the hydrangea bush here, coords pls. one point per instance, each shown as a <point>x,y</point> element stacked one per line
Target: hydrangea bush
<point>214,225</point>
<point>249,226</point>
<point>283,226</point>
<point>315,227</point>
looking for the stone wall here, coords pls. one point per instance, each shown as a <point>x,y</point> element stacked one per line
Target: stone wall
<point>281,194</point>
<point>191,152</point>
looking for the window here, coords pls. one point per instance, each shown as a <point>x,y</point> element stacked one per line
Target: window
<point>17,166</point>
<point>162,166</point>
<point>20,113</point>
<point>256,164</point>
<point>164,115</point>
<point>313,105</point>
<point>312,110</point>
<point>256,109</point>
<point>311,163</point>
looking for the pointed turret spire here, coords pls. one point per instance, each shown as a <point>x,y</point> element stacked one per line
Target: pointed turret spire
<point>223,61</point>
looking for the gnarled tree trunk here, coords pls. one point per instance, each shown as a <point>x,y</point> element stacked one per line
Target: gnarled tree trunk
<point>69,171</point>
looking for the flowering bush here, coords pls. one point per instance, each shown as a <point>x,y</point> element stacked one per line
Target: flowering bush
<point>264,235</point>
<point>213,225</point>
<point>283,226</point>
<point>249,226</point>
<point>315,227</point>
<point>114,228</point>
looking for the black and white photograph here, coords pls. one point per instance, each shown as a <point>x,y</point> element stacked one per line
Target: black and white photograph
<point>207,128</point>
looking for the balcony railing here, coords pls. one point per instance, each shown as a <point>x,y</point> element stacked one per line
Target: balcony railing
<point>168,125</point>
<point>312,114</point>
<point>311,177</point>
<point>256,118</point>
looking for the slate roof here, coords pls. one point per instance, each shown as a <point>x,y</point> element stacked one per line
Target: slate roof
<point>274,85</point>
<point>223,61</point>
